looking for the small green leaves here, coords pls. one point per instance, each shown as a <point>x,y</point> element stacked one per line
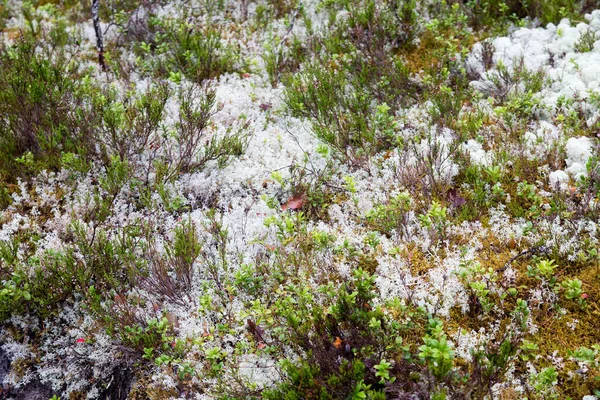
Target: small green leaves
<point>436,352</point>
<point>383,372</point>
<point>545,380</point>
<point>543,269</point>
<point>573,290</point>
<point>435,217</point>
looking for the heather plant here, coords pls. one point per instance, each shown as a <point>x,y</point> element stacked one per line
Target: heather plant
<point>590,185</point>
<point>46,281</point>
<point>341,106</point>
<point>179,46</point>
<point>74,122</point>
<point>497,16</point>
<point>392,216</point>
<point>281,8</point>
<point>513,82</point>
<point>172,272</point>
<point>281,59</point>
<point>127,128</point>
<point>111,262</point>
<point>40,106</point>
<point>484,187</point>
<point>194,147</point>
<point>586,41</point>
<point>351,136</point>
<point>131,127</point>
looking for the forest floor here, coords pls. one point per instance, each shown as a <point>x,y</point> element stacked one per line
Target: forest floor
<point>286,199</point>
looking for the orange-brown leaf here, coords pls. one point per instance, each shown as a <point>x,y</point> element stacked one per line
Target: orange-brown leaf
<point>337,343</point>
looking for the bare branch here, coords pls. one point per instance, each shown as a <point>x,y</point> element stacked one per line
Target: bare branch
<point>98,30</point>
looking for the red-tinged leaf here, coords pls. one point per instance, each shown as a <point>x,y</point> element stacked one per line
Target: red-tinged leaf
<point>260,330</point>
<point>253,328</point>
<point>80,340</point>
<point>261,345</point>
<point>251,325</point>
<point>294,203</point>
<point>256,331</point>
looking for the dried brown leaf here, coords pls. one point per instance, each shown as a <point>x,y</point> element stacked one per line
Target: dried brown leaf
<point>294,203</point>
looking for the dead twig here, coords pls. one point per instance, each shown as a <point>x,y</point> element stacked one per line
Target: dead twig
<point>530,252</point>
<point>98,30</point>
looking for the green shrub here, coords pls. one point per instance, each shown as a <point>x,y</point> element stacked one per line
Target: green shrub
<point>344,337</point>
<point>14,295</point>
<point>356,79</point>
<point>496,15</point>
<point>181,47</point>
<point>436,352</point>
<point>171,274</point>
<point>125,127</point>
<point>39,104</point>
<point>194,145</point>
<point>392,216</point>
